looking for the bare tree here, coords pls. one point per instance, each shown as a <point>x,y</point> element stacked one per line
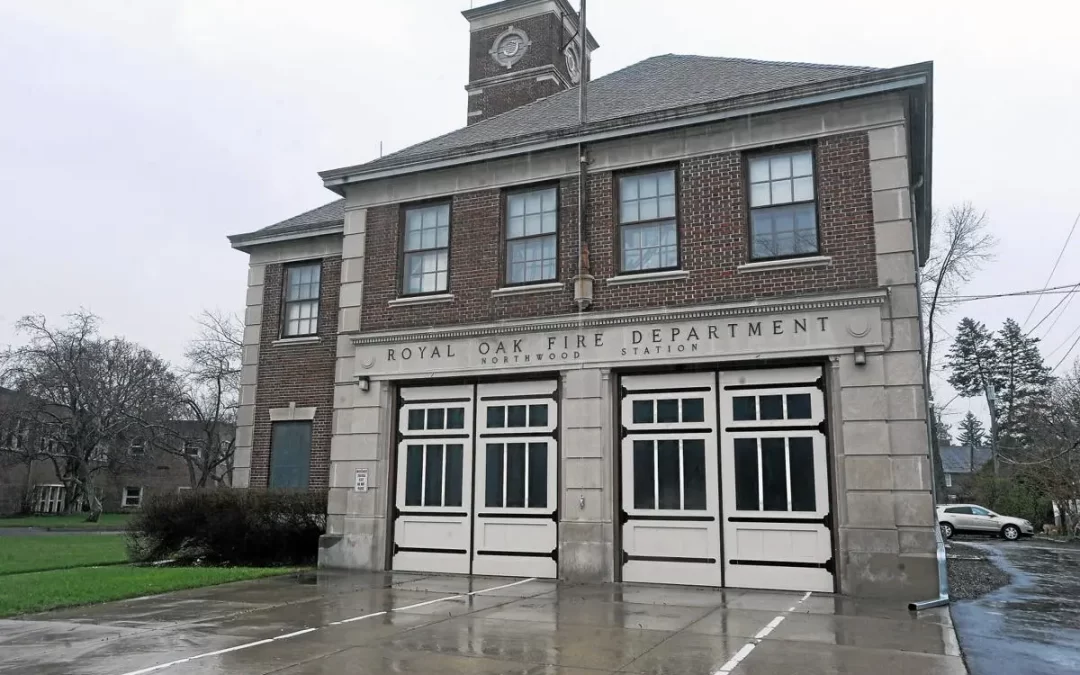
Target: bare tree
<point>209,396</point>
<point>88,397</point>
<point>959,248</point>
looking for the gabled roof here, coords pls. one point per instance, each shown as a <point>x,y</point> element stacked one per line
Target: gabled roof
<point>959,459</point>
<point>658,83</point>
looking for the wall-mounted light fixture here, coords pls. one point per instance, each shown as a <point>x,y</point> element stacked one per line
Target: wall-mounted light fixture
<point>364,382</point>
<point>860,356</point>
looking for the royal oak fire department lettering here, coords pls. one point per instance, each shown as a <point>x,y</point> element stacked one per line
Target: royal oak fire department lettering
<point>637,342</point>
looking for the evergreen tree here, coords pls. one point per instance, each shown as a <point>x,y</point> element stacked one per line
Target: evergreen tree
<point>972,433</point>
<point>971,360</point>
<point>1021,379</point>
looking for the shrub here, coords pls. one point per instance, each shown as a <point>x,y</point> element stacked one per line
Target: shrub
<point>1013,496</point>
<point>230,526</point>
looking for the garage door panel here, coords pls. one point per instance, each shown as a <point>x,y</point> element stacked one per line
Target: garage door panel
<point>670,495</point>
<point>689,540</point>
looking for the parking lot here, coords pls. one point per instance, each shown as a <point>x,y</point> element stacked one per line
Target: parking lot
<point>409,623</point>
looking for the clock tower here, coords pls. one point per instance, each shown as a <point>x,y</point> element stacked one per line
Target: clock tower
<point>521,51</point>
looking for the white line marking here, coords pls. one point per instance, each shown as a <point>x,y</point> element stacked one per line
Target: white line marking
<point>305,631</point>
<point>734,661</point>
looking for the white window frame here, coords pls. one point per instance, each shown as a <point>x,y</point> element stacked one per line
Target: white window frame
<point>528,210</point>
<point>415,246</point>
<point>137,448</point>
<point>190,448</point>
<point>948,480</point>
<point>124,502</point>
<point>633,226</point>
<point>301,303</point>
<point>783,182</point>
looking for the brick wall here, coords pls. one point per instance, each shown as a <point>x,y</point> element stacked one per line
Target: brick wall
<point>713,241</point>
<point>300,373</point>
<point>499,98</point>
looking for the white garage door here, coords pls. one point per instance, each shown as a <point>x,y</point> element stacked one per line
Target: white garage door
<point>477,479</point>
<point>776,498</point>
<point>671,510</point>
<point>737,497</point>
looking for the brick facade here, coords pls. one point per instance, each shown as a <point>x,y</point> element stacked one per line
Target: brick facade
<point>714,242</point>
<point>300,373</point>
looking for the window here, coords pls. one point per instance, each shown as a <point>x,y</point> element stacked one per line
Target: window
<point>962,510</point>
<point>132,497</point>
<point>290,454</point>
<point>137,447</point>
<point>49,498</point>
<point>783,214</point>
<point>191,448</point>
<point>648,230</point>
<point>948,480</point>
<point>302,284</point>
<point>426,249</point>
<point>531,239</point>
<point>434,474</point>
<point>979,511</point>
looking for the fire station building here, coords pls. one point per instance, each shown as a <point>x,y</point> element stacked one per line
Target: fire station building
<point>676,342</point>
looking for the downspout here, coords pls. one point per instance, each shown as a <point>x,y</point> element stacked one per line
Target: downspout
<point>583,281</point>
<point>943,571</point>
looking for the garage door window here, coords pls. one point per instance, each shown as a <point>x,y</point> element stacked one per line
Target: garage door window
<point>774,474</point>
<point>433,474</point>
<point>669,474</point>
<point>516,475</point>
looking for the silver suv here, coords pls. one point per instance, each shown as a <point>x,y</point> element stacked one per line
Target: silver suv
<point>974,519</point>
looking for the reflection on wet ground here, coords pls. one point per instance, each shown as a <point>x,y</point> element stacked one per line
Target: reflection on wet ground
<point>1031,626</point>
<point>435,624</point>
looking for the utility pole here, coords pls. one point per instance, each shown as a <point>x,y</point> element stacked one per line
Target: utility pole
<point>991,400</point>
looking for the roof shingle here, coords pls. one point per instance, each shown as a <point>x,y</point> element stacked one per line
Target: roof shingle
<point>657,83</point>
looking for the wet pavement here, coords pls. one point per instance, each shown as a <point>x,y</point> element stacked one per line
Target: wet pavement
<point>330,623</point>
<point>1031,626</point>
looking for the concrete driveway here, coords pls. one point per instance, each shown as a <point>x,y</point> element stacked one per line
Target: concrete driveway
<point>331,623</point>
<point>1031,626</point>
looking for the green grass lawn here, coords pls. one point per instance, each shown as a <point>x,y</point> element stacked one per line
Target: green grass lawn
<point>117,521</point>
<point>38,591</point>
<point>33,553</point>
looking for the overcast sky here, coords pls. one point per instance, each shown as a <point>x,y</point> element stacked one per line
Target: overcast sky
<point>136,134</point>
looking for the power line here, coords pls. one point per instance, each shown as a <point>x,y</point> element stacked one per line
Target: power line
<point>1053,309</point>
<point>1064,289</point>
<point>1063,343</point>
<point>1060,314</point>
<point>1053,269</point>
<point>1066,354</point>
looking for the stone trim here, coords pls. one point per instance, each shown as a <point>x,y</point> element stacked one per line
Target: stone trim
<point>526,290</point>
<point>422,300</point>
<point>292,413</point>
<point>785,264</point>
<point>587,321</point>
<point>646,277</point>
<point>305,340</point>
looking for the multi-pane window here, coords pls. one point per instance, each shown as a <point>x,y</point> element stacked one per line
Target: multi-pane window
<point>516,475</point>
<point>138,447</point>
<point>531,225</point>
<point>132,497</point>
<point>775,474</point>
<point>783,215</point>
<point>302,299</point>
<point>648,230</point>
<point>427,249</point>
<point>434,474</point>
<point>669,473</point>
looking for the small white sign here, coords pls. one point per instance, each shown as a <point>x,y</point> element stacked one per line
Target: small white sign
<point>361,480</point>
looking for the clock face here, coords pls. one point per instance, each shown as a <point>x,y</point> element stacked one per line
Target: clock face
<point>573,62</point>
<point>510,46</point>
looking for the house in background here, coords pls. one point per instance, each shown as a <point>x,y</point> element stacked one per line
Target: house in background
<point>139,471</point>
<point>677,342</point>
<point>960,464</point>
